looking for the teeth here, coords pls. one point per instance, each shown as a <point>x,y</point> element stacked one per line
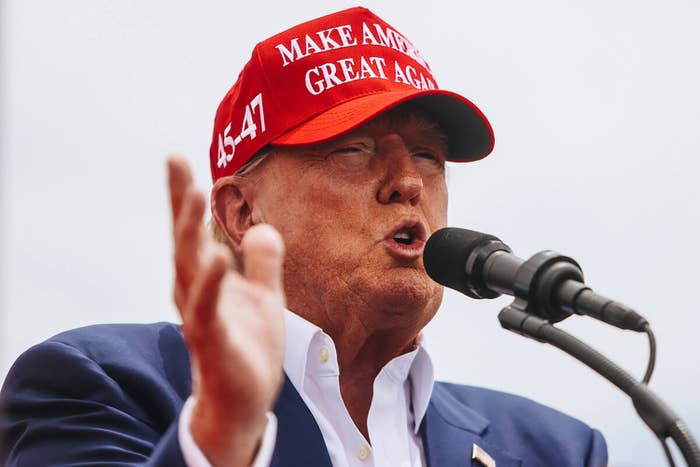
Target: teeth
<point>404,237</point>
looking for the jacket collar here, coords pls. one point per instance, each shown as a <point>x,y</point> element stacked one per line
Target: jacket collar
<point>449,431</point>
<point>454,412</point>
<point>451,428</point>
<point>299,439</point>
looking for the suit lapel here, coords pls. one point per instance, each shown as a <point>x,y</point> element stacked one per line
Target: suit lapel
<point>299,439</point>
<point>450,429</point>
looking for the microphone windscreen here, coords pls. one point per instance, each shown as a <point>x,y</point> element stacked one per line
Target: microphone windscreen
<point>446,253</point>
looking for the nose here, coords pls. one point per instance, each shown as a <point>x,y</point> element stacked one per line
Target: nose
<point>402,182</point>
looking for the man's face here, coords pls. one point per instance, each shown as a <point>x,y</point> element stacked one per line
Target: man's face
<point>355,214</point>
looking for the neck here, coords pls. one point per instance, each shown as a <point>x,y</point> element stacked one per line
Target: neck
<point>360,362</point>
<point>364,346</point>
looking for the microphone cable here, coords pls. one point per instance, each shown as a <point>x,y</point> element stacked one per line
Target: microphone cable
<point>652,354</point>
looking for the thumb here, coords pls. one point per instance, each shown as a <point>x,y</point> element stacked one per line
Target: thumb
<point>263,254</point>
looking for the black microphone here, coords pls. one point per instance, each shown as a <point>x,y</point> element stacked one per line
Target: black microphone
<point>482,266</point>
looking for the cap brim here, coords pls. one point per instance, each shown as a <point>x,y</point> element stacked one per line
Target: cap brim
<point>469,134</point>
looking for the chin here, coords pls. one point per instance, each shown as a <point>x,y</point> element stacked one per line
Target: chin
<point>412,294</point>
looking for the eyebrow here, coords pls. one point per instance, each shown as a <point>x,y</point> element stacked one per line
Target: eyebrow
<point>439,136</point>
<point>431,134</point>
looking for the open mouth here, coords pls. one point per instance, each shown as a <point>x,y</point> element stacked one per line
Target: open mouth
<point>407,238</point>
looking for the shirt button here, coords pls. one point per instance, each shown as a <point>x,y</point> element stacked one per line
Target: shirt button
<point>364,452</point>
<point>323,354</point>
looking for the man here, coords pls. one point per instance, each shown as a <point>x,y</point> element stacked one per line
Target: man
<point>328,160</point>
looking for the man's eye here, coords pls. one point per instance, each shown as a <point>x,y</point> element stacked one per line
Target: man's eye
<point>350,150</point>
<point>429,162</point>
<point>354,157</point>
<point>428,156</point>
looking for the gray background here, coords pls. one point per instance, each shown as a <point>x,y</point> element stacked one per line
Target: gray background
<point>596,110</point>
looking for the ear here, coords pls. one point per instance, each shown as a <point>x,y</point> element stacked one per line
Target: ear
<point>232,209</point>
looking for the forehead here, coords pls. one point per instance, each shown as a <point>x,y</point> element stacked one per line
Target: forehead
<point>408,120</point>
<point>406,116</point>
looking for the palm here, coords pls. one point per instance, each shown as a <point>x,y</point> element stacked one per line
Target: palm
<point>232,322</point>
<point>251,317</point>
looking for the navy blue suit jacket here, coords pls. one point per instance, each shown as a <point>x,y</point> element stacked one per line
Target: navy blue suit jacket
<point>111,395</point>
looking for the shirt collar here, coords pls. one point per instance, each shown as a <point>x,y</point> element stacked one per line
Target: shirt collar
<point>422,378</point>
<point>299,334</point>
<point>416,367</point>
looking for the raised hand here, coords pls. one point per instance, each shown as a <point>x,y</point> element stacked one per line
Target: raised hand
<point>233,325</point>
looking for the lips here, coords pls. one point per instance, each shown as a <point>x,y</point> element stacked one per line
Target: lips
<point>406,240</point>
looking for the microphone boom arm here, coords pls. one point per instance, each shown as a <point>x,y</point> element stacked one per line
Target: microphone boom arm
<point>655,413</point>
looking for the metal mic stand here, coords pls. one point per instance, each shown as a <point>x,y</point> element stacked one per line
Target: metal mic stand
<point>520,317</point>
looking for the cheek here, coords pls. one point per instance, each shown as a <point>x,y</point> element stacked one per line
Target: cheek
<point>318,217</point>
<point>435,204</point>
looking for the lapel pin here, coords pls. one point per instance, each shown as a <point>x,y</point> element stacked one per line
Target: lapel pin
<point>482,457</point>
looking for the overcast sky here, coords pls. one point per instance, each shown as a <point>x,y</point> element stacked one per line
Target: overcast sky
<point>596,110</point>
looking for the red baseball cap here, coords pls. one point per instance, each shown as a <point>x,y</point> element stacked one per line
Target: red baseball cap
<point>323,78</point>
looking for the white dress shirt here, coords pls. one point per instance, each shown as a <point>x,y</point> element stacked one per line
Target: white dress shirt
<point>400,397</point>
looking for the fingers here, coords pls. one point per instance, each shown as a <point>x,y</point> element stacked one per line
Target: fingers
<point>263,254</point>
<point>204,296</point>
<point>179,180</point>
<point>188,237</point>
